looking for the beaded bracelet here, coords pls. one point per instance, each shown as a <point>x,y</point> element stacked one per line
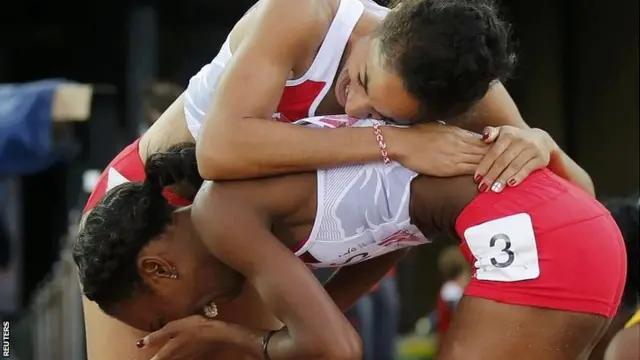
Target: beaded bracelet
<point>381,143</point>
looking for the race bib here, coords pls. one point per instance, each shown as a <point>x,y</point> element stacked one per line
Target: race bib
<point>505,249</point>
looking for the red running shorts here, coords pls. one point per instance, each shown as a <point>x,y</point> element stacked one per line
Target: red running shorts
<point>544,243</point>
<point>126,166</point>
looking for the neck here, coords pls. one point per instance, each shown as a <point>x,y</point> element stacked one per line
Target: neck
<point>188,233</point>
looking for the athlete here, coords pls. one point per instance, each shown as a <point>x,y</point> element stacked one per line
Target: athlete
<point>288,60</point>
<point>539,279</point>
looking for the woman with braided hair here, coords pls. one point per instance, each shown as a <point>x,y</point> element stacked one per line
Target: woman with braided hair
<point>112,261</point>
<point>188,264</point>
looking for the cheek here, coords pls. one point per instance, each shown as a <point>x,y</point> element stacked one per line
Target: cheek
<point>177,308</point>
<point>356,57</point>
<point>174,298</point>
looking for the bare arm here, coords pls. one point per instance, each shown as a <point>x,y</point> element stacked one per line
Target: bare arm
<point>497,108</point>
<point>237,230</point>
<point>349,283</point>
<point>236,141</point>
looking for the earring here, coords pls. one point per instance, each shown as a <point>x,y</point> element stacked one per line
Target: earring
<point>174,273</point>
<point>211,310</point>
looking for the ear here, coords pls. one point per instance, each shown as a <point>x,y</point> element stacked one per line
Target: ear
<point>155,267</point>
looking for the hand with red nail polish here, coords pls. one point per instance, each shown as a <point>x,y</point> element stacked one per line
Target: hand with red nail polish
<point>192,338</point>
<point>436,149</point>
<point>514,154</point>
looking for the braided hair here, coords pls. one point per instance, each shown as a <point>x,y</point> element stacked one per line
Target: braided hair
<point>447,52</point>
<point>125,220</point>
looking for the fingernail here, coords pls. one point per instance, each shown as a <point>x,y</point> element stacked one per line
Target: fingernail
<point>497,187</point>
<point>483,187</point>
<point>485,136</point>
<point>478,178</point>
<point>512,182</point>
<point>140,343</point>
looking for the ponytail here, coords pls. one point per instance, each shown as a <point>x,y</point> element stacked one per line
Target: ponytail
<point>176,165</point>
<point>125,220</point>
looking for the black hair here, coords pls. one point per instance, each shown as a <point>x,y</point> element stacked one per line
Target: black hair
<point>448,52</point>
<point>126,219</point>
<point>625,212</point>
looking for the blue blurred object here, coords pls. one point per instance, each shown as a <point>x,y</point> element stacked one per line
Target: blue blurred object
<point>25,127</point>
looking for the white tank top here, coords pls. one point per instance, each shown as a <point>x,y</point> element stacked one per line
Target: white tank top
<point>362,211</point>
<point>301,96</point>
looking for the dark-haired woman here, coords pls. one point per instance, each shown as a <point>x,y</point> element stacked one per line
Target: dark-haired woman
<point>539,280</point>
<point>285,60</point>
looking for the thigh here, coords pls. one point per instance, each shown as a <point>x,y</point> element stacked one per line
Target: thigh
<point>484,329</point>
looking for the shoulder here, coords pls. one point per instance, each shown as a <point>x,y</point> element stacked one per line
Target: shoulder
<point>309,18</point>
<point>314,10</point>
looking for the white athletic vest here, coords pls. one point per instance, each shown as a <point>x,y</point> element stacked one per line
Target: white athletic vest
<point>362,211</point>
<point>301,96</point>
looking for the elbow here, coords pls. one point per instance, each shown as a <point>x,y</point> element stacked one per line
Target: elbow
<point>214,162</point>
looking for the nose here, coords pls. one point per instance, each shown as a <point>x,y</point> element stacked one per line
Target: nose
<point>358,105</point>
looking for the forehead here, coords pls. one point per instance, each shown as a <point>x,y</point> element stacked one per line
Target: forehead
<point>386,89</point>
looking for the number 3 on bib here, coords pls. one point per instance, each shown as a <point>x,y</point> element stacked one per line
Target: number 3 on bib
<point>505,249</point>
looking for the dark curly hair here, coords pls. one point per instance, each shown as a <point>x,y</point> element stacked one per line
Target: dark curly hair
<point>448,52</point>
<point>128,218</point>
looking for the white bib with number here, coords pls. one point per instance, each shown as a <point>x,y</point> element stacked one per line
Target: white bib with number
<point>505,249</point>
